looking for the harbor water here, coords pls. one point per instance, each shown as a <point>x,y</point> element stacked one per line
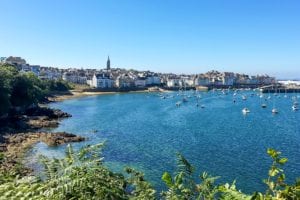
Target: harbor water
<point>146,130</point>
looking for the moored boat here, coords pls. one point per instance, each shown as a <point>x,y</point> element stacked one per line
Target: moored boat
<point>245,111</point>
<point>274,111</point>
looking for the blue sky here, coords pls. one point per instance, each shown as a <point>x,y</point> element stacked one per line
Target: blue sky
<point>181,36</point>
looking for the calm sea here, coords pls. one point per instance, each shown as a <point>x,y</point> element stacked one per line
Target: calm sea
<point>144,131</point>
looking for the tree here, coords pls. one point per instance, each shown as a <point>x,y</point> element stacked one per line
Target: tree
<point>24,91</point>
<point>7,73</point>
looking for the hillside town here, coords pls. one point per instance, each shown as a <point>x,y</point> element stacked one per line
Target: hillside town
<point>113,77</point>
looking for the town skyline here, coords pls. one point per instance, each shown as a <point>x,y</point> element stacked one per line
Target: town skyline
<point>108,63</point>
<point>171,36</point>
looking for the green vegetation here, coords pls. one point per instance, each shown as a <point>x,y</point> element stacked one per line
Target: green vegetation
<point>82,175</point>
<point>24,89</point>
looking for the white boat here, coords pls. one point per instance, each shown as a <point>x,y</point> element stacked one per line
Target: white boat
<point>269,97</point>
<point>245,111</point>
<point>274,111</point>
<point>202,106</point>
<point>244,97</point>
<point>261,96</point>
<point>178,104</point>
<point>234,94</point>
<point>295,108</point>
<point>263,105</point>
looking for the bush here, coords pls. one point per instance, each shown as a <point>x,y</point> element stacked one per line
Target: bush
<point>82,175</point>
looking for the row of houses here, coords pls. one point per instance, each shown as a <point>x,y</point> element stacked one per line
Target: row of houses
<point>215,78</point>
<point>110,79</point>
<point>122,78</point>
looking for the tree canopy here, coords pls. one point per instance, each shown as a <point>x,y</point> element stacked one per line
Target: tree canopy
<point>24,89</point>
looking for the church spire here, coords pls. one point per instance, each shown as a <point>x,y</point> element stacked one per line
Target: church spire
<point>108,63</point>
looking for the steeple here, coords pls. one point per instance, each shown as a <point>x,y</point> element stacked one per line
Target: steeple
<point>108,64</point>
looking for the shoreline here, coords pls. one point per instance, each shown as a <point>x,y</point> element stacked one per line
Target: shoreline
<point>22,131</point>
<point>74,94</point>
<point>25,130</point>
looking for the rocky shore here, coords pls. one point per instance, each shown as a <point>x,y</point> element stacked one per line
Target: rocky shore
<point>31,120</point>
<point>21,131</point>
<point>15,144</point>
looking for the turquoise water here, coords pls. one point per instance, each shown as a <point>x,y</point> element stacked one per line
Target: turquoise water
<point>145,131</point>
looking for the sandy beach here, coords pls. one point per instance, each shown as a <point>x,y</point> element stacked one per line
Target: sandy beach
<point>72,94</point>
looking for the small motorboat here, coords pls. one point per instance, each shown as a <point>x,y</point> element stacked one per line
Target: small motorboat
<point>263,105</point>
<point>244,97</point>
<point>245,111</point>
<point>178,104</point>
<point>295,108</point>
<point>274,111</point>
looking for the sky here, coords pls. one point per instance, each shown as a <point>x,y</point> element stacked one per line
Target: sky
<point>179,36</point>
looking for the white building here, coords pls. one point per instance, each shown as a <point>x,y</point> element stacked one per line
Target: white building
<point>140,82</point>
<point>202,80</point>
<point>124,81</point>
<point>102,80</point>
<point>75,77</point>
<point>228,78</point>
<point>173,82</point>
<point>153,80</point>
<point>35,69</point>
<point>50,73</point>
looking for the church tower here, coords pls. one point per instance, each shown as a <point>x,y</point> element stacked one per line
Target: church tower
<point>108,64</point>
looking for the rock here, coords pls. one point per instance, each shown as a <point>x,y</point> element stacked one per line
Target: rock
<point>51,113</point>
<point>54,139</point>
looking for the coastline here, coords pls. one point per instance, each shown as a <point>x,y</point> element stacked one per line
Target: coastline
<point>25,130</point>
<point>74,94</point>
<point>22,131</point>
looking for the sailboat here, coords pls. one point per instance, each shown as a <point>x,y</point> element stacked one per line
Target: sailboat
<point>274,110</point>
<point>285,94</point>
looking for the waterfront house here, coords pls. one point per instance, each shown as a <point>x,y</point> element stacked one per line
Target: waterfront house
<point>75,77</point>
<point>201,80</point>
<point>228,78</point>
<point>174,82</point>
<point>140,82</point>
<point>153,80</point>
<point>50,73</point>
<point>102,80</point>
<point>124,81</point>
